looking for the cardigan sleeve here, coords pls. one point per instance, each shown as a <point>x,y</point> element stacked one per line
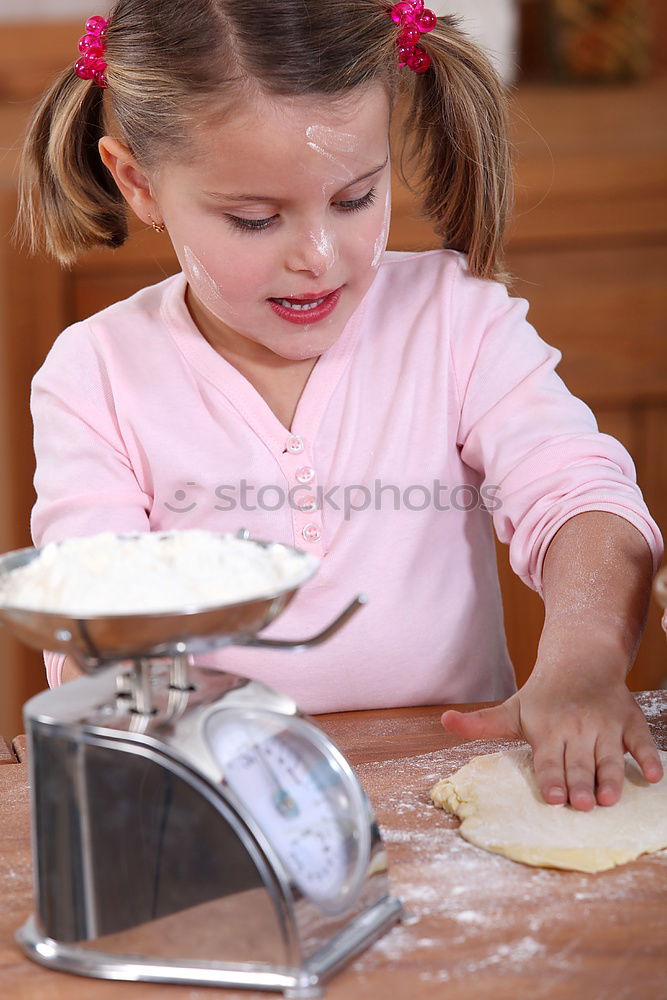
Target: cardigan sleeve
<point>536,445</point>
<point>84,479</point>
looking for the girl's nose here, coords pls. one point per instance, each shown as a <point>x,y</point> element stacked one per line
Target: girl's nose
<point>313,250</point>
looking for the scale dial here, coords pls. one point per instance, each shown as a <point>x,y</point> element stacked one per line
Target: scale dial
<point>302,794</point>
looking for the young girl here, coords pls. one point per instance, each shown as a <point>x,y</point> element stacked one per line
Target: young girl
<point>373,409</point>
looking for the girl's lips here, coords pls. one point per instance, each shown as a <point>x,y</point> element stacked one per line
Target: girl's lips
<point>311,297</point>
<point>303,316</point>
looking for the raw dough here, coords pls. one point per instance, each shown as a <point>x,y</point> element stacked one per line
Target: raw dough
<point>497,798</point>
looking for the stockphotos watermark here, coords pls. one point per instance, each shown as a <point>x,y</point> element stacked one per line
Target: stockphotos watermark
<point>352,498</point>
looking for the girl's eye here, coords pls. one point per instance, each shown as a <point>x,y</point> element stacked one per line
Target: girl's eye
<point>260,225</point>
<point>358,203</point>
<point>250,225</point>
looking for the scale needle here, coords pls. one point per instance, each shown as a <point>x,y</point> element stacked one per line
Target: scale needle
<point>282,799</point>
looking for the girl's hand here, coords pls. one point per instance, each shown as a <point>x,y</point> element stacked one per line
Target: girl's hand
<point>71,670</point>
<point>579,732</point>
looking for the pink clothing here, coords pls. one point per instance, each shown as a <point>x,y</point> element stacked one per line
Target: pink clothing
<point>436,382</point>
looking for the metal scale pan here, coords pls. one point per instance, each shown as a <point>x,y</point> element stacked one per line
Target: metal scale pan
<point>191,825</point>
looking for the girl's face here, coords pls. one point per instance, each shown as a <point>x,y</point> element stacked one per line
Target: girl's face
<point>280,219</point>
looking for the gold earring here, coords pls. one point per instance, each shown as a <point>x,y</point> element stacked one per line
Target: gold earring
<point>158,227</point>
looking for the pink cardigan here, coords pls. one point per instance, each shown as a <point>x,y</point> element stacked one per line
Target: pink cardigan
<point>436,411</point>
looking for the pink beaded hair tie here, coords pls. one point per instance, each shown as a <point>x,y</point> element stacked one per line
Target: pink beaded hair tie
<point>414,20</point>
<point>91,65</point>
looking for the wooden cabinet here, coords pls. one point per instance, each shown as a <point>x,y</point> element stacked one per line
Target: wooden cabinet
<point>588,248</point>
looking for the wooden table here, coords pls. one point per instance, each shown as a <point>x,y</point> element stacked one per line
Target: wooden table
<point>481,927</point>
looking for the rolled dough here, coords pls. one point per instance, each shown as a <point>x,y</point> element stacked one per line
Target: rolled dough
<point>498,801</point>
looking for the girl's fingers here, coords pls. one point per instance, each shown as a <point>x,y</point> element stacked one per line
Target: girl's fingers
<point>548,762</point>
<point>573,771</point>
<point>580,773</point>
<point>639,743</point>
<point>487,723</point>
<point>610,765</point>
<point>565,771</point>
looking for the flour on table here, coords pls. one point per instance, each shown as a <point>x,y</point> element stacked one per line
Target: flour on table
<point>497,798</point>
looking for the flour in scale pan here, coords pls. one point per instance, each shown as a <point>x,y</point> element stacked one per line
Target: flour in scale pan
<point>145,572</point>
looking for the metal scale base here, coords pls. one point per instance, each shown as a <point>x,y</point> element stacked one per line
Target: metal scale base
<point>296,983</point>
<point>191,826</point>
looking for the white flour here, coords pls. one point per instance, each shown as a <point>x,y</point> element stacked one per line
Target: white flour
<point>152,572</point>
<point>652,703</point>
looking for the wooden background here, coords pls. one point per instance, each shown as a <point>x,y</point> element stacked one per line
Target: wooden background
<point>588,248</point>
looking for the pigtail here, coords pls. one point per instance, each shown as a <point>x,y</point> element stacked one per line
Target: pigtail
<point>456,135</point>
<point>68,201</point>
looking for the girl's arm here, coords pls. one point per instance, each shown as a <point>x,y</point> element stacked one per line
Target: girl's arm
<point>575,708</point>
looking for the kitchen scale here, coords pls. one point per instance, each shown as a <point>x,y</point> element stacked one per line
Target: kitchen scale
<point>189,825</point>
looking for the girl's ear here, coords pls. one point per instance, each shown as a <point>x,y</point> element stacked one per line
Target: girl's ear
<point>132,182</point>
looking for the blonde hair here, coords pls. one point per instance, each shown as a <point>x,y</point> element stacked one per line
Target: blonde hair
<point>168,63</point>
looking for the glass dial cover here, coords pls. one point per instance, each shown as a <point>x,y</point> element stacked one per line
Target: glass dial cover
<point>302,794</point>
